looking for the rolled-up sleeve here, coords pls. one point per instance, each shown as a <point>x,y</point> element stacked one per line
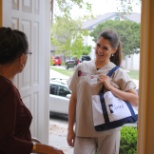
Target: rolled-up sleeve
<point>123,80</point>
<point>73,81</point>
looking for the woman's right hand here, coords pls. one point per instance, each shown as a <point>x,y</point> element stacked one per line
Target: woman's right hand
<point>47,149</point>
<point>71,138</point>
<point>58,151</point>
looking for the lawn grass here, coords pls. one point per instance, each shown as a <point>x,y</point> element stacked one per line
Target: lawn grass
<point>133,74</point>
<point>68,72</point>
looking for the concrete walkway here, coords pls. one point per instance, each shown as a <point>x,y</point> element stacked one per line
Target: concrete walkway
<point>58,136</point>
<point>55,74</point>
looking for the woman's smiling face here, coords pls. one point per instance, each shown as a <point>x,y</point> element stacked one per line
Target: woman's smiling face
<point>104,50</point>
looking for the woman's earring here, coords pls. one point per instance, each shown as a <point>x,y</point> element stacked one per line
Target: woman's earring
<point>112,55</point>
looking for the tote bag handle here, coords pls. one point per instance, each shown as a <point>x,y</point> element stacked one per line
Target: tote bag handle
<point>109,74</point>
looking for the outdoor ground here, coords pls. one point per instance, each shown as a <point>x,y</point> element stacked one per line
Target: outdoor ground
<point>58,133</point>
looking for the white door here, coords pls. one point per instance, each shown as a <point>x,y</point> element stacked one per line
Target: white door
<point>33,18</point>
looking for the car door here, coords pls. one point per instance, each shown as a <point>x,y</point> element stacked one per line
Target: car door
<point>52,97</point>
<point>62,101</point>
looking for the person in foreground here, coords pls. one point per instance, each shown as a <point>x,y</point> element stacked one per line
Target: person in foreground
<point>15,118</point>
<point>86,81</point>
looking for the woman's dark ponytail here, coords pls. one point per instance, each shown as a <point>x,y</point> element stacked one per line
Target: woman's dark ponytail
<point>116,58</point>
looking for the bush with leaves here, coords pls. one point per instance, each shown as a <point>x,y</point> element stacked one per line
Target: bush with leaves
<point>128,143</point>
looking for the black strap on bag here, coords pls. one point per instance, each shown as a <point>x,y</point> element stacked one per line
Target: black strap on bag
<point>102,96</point>
<point>109,74</point>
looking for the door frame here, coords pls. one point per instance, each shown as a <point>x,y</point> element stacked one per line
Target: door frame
<point>0,13</point>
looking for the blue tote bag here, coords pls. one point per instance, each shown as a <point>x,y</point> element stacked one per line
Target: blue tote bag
<point>110,112</point>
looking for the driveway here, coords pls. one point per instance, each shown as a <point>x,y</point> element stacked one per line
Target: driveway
<point>55,74</point>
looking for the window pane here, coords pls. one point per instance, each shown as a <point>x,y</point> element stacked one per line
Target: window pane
<point>53,89</point>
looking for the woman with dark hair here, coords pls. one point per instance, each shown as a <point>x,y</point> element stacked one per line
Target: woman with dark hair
<point>15,118</point>
<point>86,81</point>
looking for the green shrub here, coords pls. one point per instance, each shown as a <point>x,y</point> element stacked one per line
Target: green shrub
<point>128,143</point>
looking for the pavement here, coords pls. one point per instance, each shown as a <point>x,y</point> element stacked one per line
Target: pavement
<point>58,136</point>
<point>55,74</point>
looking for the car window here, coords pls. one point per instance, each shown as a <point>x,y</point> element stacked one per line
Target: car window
<point>86,58</point>
<point>57,57</point>
<point>63,91</point>
<point>53,89</point>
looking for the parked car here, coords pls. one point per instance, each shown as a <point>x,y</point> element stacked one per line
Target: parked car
<point>59,96</point>
<point>71,63</point>
<point>85,58</point>
<point>56,60</point>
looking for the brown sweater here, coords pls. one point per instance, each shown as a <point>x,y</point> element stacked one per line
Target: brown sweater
<point>15,120</point>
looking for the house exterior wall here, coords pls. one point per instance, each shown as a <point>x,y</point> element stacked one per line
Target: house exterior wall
<point>131,62</point>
